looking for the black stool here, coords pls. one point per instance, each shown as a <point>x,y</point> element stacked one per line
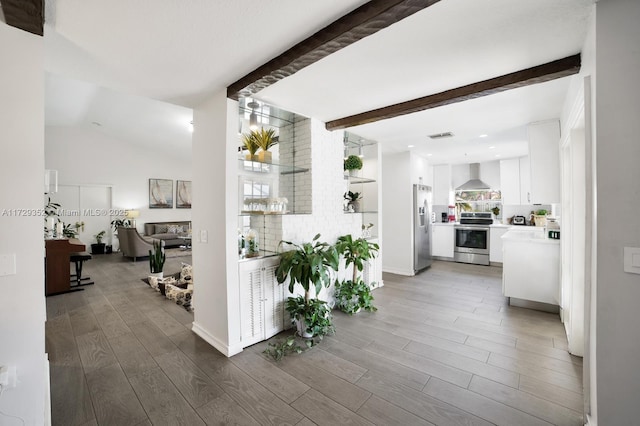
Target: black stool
<point>77,278</point>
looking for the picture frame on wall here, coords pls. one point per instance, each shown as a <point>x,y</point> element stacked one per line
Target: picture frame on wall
<point>183,194</point>
<point>160,193</point>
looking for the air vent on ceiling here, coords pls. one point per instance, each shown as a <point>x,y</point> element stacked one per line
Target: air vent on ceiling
<point>441,135</point>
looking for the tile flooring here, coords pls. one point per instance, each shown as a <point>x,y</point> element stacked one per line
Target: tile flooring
<point>444,348</point>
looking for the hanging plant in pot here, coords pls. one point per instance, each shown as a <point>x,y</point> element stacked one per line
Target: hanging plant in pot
<point>354,295</point>
<point>352,164</point>
<point>309,265</point>
<point>157,257</point>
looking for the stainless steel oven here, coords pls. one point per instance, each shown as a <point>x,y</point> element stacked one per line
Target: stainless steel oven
<point>472,238</point>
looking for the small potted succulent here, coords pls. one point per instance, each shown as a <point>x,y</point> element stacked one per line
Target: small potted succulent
<point>265,139</point>
<point>251,145</point>
<point>352,164</point>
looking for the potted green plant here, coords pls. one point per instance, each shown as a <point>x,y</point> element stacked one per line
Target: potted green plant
<point>115,223</point>
<point>354,294</point>
<point>540,217</point>
<point>251,145</point>
<point>265,139</point>
<point>352,164</point>
<point>310,265</point>
<point>98,246</point>
<point>71,231</point>
<point>353,199</point>
<point>157,257</point>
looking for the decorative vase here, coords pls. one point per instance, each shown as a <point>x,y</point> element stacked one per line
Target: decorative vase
<point>354,172</point>
<point>157,275</point>
<point>265,157</point>
<point>355,205</point>
<point>249,157</point>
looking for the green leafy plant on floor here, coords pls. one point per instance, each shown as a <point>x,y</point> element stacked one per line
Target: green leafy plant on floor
<point>281,348</point>
<point>157,257</point>
<point>309,265</point>
<point>354,294</point>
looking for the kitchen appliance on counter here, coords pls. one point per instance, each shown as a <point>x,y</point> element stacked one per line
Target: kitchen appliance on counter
<point>519,220</point>
<point>471,243</point>
<point>421,227</point>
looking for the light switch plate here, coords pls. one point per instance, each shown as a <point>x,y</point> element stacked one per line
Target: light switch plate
<point>632,260</point>
<point>7,264</point>
<point>204,236</point>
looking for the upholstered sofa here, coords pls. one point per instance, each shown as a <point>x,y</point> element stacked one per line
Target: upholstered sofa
<point>169,232</point>
<point>132,244</point>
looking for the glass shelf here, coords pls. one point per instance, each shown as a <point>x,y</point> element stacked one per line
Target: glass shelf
<point>362,212</point>
<point>261,255</point>
<point>258,167</point>
<point>356,179</point>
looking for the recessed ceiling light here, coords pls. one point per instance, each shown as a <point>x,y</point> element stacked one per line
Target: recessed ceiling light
<point>429,155</point>
<point>410,146</point>
<point>497,155</point>
<point>483,136</point>
<point>492,147</point>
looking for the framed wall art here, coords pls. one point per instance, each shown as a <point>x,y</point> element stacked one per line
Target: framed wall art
<point>160,194</point>
<point>183,194</point>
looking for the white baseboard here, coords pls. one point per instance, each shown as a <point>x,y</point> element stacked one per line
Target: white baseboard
<point>405,272</point>
<point>225,349</point>
<point>591,421</point>
<point>47,391</point>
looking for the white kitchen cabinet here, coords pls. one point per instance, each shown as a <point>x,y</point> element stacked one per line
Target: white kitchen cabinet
<point>262,300</point>
<point>442,240</point>
<point>495,243</point>
<point>531,266</point>
<point>441,185</point>
<point>544,155</point>
<point>515,181</point>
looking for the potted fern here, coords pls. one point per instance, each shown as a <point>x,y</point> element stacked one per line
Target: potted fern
<point>156,259</point>
<point>354,294</point>
<point>309,265</point>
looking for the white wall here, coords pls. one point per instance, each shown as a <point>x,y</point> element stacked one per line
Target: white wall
<point>214,217</point>
<point>86,156</point>
<point>618,194</point>
<point>22,314</point>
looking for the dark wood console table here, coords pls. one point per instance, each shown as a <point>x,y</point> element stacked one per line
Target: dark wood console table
<point>57,273</point>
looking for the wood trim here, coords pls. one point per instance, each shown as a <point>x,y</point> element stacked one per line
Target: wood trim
<point>367,19</point>
<point>27,15</point>
<point>538,74</point>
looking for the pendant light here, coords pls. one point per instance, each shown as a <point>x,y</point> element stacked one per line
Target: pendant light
<point>253,117</point>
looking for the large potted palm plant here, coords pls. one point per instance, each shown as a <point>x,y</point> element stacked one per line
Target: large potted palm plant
<point>311,266</point>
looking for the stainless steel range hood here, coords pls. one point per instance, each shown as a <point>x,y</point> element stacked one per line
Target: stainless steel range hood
<point>473,184</point>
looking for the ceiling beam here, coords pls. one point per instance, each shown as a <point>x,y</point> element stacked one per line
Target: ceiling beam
<point>538,74</point>
<point>28,15</point>
<point>367,19</point>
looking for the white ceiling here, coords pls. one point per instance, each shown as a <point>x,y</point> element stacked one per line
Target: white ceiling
<point>180,52</point>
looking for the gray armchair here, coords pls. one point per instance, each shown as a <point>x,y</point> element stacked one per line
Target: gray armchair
<point>132,244</point>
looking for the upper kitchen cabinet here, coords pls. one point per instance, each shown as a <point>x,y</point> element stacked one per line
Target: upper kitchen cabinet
<point>515,181</point>
<point>442,185</point>
<point>544,157</point>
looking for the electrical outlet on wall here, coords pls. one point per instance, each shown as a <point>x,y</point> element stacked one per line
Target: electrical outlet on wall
<point>8,377</point>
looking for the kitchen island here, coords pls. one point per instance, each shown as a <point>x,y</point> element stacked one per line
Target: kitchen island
<point>531,269</point>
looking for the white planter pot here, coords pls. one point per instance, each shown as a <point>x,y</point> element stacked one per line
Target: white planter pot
<point>157,275</point>
<point>302,327</point>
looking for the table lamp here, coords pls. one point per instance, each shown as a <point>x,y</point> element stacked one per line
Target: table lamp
<point>132,215</point>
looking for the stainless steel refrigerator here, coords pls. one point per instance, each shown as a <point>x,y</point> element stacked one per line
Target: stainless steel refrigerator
<point>421,227</point>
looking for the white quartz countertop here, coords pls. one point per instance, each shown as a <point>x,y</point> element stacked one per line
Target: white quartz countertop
<point>531,234</point>
<point>493,225</point>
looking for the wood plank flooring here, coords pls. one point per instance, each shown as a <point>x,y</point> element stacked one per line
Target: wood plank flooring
<point>444,348</point>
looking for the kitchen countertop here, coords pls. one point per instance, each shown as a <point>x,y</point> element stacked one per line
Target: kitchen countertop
<point>493,225</point>
<point>533,234</point>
